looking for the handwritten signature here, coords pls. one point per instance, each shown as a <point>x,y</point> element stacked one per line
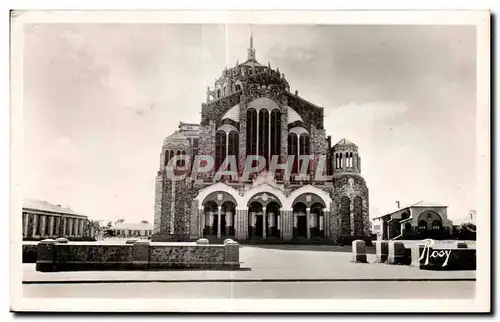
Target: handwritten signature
<point>430,243</point>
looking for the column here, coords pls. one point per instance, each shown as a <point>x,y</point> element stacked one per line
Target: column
<point>57,231</point>
<point>218,221</point>
<point>36,219</point>
<point>25,225</point>
<point>308,223</point>
<point>324,223</point>
<point>75,228</point>
<point>264,222</point>
<point>63,223</point>
<point>229,221</point>
<point>43,218</point>
<point>278,224</point>
<point>51,226</point>
<point>70,226</point>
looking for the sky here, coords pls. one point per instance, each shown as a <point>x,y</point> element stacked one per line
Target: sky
<point>98,100</point>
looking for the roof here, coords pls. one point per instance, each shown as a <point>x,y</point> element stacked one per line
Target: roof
<point>422,203</point>
<point>251,62</point>
<point>345,142</point>
<point>42,205</point>
<point>132,226</point>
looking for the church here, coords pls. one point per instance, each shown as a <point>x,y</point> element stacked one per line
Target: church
<point>287,182</point>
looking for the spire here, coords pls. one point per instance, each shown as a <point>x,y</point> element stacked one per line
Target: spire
<point>251,50</point>
<point>251,37</point>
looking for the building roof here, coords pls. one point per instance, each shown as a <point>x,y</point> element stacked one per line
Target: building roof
<point>422,203</point>
<point>132,226</point>
<point>345,142</point>
<point>41,205</point>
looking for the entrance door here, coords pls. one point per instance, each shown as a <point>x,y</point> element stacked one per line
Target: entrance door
<point>258,225</point>
<point>302,226</point>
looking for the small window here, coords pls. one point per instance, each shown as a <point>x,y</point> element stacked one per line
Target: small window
<point>422,225</point>
<point>238,87</point>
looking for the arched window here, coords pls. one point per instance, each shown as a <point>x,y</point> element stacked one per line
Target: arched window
<point>251,132</point>
<point>220,149</point>
<point>218,93</point>
<point>224,92</point>
<point>340,161</point>
<point>233,146</point>
<point>238,87</point>
<point>263,146</point>
<point>436,225</point>
<point>304,149</point>
<point>293,150</point>
<point>178,162</point>
<point>275,132</point>
<point>183,161</point>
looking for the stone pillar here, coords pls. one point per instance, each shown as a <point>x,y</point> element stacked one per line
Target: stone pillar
<point>51,226</point>
<point>35,224</point>
<point>287,224</point>
<point>396,252</point>
<point>278,225</point>
<point>45,256</point>
<point>264,223</point>
<point>70,227</point>
<point>308,222</point>
<point>140,251</point>
<point>381,250</point>
<point>326,230</point>
<point>219,221</point>
<point>43,219</point>
<point>25,225</point>
<point>241,227</point>
<point>359,251</point>
<point>231,254</point>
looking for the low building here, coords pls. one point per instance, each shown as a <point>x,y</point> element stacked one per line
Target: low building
<point>42,219</point>
<point>124,229</point>
<point>419,217</point>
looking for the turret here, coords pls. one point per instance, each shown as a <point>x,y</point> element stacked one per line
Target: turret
<point>345,158</point>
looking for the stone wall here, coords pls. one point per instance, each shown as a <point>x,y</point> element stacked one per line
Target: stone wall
<point>215,110</point>
<point>352,186</point>
<point>52,256</point>
<point>311,114</point>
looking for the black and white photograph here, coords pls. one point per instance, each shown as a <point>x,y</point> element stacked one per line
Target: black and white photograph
<point>241,161</point>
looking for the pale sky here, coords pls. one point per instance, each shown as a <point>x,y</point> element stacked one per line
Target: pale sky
<point>100,99</point>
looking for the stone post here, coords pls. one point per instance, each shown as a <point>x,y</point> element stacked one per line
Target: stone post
<point>231,254</point>
<point>45,256</point>
<point>63,223</point>
<point>140,254</point>
<point>308,223</point>
<point>359,251</point>
<point>201,215</point>
<point>325,223</point>
<point>396,252</point>
<point>219,221</point>
<point>382,250</point>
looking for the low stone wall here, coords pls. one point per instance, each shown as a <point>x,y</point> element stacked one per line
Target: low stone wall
<point>55,256</point>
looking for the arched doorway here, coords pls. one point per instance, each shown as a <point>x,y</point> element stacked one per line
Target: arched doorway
<point>228,211</point>
<point>299,221</point>
<point>273,220</point>
<point>210,212</point>
<point>317,221</point>
<point>255,219</point>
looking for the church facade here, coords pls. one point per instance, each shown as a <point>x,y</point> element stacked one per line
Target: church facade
<point>258,166</point>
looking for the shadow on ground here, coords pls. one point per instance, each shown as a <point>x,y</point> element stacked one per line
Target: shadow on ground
<point>321,248</point>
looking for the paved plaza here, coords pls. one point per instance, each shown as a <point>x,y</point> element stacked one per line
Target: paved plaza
<point>268,264</point>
